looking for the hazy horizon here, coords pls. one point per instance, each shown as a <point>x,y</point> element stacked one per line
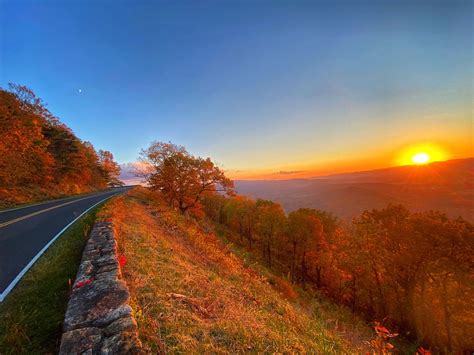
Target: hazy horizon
<point>127,172</point>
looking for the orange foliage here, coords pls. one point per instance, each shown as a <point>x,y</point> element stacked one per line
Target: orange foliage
<point>40,157</point>
<point>381,343</point>
<point>182,178</point>
<point>416,269</point>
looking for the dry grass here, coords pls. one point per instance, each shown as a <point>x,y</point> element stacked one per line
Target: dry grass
<point>191,293</point>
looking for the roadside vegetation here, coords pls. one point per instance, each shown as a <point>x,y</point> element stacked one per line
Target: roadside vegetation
<point>31,316</point>
<point>409,274</point>
<point>194,293</point>
<point>41,158</point>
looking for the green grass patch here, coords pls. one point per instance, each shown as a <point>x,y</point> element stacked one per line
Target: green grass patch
<point>31,316</point>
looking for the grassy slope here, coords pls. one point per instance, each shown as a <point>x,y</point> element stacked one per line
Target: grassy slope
<point>31,316</point>
<point>191,293</point>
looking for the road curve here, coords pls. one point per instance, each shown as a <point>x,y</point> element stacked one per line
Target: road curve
<point>25,233</point>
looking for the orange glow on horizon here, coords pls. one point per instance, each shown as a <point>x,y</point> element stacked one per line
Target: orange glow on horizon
<point>307,170</point>
<point>413,154</point>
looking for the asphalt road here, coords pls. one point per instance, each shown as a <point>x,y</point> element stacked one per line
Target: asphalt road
<point>25,233</point>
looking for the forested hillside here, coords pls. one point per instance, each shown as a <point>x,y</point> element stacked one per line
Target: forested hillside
<point>411,271</point>
<point>40,157</point>
<point>409,274</point>
<point>195,292</point>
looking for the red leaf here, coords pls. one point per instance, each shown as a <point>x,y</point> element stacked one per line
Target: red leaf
<point>122,261</point>
<point>83,283</point>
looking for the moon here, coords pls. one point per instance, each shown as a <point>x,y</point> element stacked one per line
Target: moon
<point>80,90</point>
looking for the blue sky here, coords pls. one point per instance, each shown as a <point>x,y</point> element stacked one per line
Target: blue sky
<point>257,85</point>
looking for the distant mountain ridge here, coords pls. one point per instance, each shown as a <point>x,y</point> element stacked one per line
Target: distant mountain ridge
<point>444,186</point>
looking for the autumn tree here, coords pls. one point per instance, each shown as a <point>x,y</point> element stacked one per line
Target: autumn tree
<point>347,272</point>
<point>329,222</point>
<point>109,168</point>
<point>214,207</point>
<point>418,272</point>
<point>445,279</point>
<point>304,232</point>
<point>31,103</point>
<point>40,157</point>
<point>373,230</point>
<point>271,221</point>
<point>182,178</point>
<point>242,215</point>
<point>24,158</point>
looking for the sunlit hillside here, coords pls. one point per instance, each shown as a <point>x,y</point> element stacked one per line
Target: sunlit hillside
<point>193,292</point>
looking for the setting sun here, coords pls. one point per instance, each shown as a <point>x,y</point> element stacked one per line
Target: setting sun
<point>420,158</point>
<point>420,154</point>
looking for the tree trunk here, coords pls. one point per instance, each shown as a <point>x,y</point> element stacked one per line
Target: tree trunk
<point>249,236</point>
<point>353,287</point>
<point>293,263</point>
<point>241,232</point>
<point>447,316</point>
<point>410,309</point>
<point>221,215</point>
<point>182,208</point>
<point>379,289</point>
<point>318,276</point>
<point>269,254</point>
<point>303,269</point>
<point>372,310</point>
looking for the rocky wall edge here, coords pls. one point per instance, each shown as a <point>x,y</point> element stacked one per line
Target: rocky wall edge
<point>98,318</point>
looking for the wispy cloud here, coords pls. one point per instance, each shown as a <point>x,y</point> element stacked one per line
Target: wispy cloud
<point>288,172</point>
<point>128,173</point>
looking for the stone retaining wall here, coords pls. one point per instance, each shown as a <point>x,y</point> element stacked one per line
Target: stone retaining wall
<point>98,318</point>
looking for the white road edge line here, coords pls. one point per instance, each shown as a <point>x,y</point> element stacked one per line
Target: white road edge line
<point>36,257</point>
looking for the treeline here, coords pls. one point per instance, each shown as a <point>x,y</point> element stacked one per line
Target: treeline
<point>412,271</point>
<point>40,157</point>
